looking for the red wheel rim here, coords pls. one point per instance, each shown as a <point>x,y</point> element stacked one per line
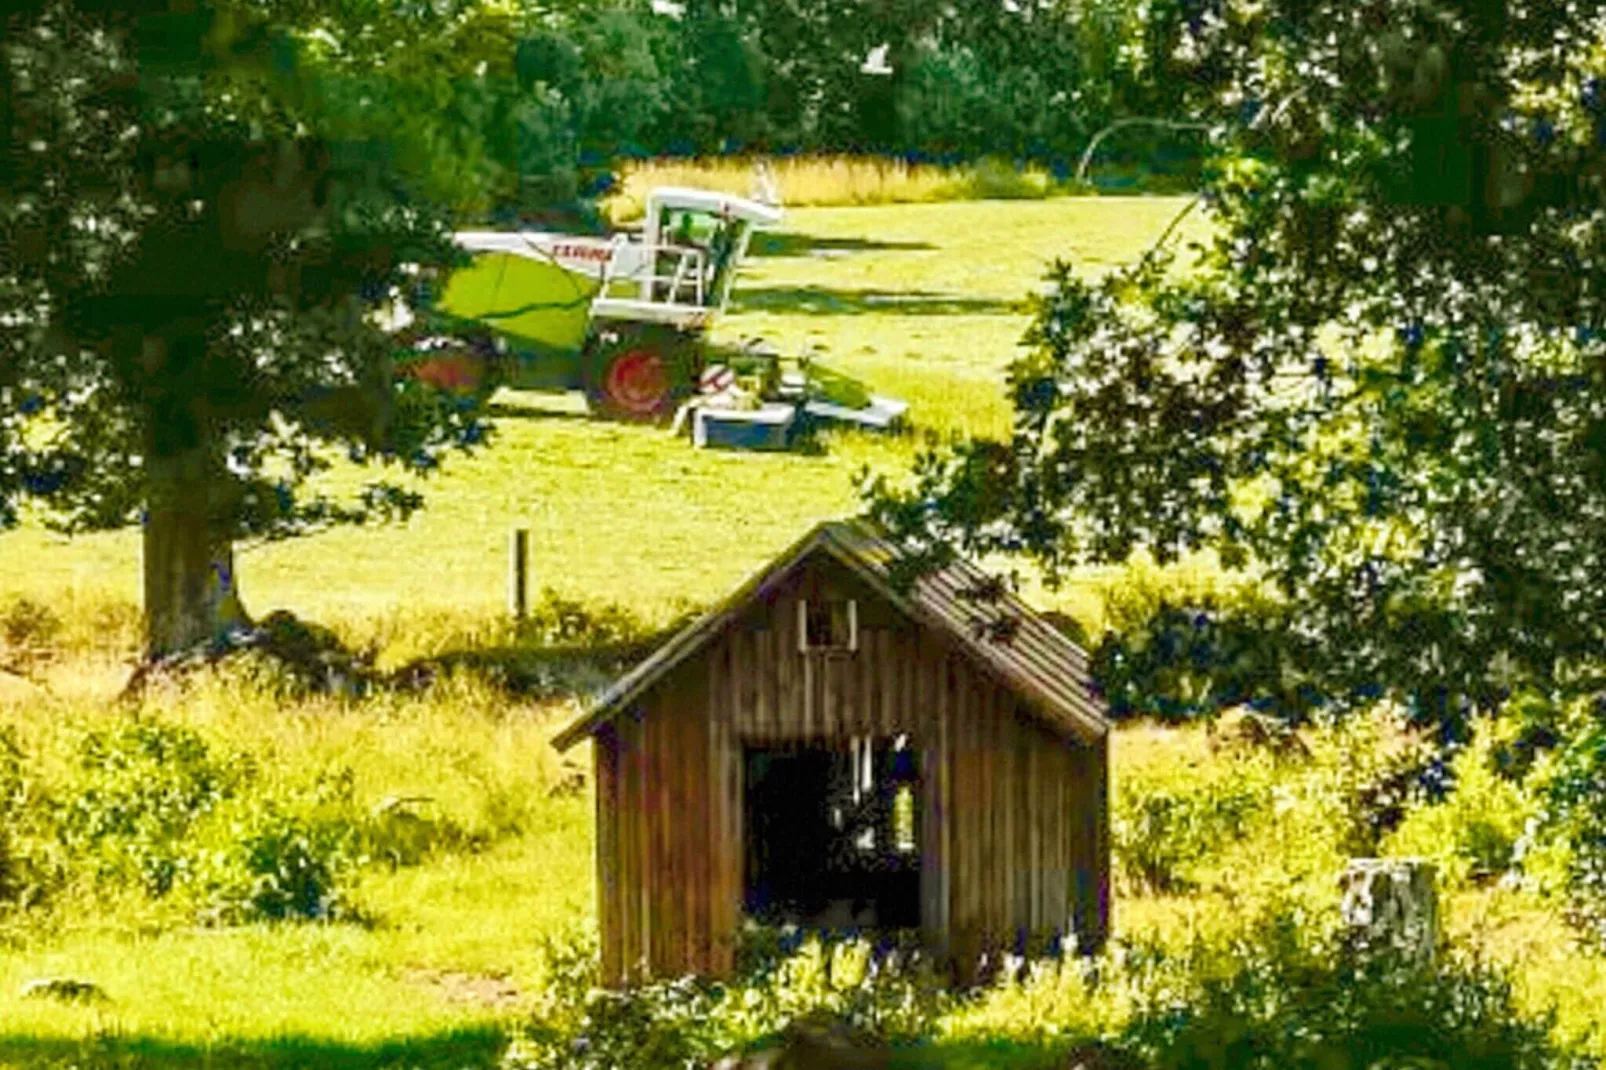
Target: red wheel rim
<point>454,373</point>
<point>637,382</point>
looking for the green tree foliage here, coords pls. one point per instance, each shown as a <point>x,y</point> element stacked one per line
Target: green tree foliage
<point>1382,386</point>
<point>206,204</point>
<point>957,82</point>
<point>1571,833</point>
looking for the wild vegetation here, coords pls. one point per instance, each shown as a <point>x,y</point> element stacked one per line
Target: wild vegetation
<point>832,181</point>
<point>218,860</point>
<point>1355,422</point>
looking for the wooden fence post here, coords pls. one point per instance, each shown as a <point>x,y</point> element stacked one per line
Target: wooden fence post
<point>518,578</point>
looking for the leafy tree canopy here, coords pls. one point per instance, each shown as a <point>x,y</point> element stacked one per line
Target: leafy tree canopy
<point>1380,388</point>
<point>206,204</point>
<point>956,81</point>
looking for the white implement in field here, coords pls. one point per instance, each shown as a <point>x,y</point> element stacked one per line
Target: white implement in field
<point>678,273</point>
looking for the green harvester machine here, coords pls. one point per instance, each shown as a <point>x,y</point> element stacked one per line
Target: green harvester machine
<point>625,318</point>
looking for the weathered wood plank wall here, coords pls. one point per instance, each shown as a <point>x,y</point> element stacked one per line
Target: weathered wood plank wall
<point>1014,834</point>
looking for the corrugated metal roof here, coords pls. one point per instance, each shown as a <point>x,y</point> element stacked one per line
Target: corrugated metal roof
<point>1028,654</point>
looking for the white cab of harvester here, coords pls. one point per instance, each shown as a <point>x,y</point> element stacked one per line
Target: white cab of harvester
<point>678,272</point>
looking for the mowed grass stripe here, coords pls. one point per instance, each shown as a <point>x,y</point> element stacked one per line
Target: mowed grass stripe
<point>633,516</point>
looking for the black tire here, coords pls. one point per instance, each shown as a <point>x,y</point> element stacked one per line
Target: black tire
<point>639,374</point>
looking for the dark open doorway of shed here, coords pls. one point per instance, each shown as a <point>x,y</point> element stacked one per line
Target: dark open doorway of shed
<point>832,842</point>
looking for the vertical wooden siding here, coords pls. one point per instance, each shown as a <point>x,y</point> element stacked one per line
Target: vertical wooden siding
<point>605,755</point>
<point>1014,837</point>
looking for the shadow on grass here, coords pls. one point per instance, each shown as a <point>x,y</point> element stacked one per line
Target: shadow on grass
<point>811,300</point>
<point>464,1049</point>
<point>790,243</point>
<point>460,1049</point>
<point>530,667</point>
<point>502,410</point>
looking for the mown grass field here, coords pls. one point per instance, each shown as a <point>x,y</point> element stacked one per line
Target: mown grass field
<point>924,302</point>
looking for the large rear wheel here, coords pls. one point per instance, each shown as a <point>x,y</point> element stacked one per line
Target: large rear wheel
<point>638,374</point>
<point>468,365</point>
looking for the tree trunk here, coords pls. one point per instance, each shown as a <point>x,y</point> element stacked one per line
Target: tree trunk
<point>191,595</point>
<point>1391,906</point>
<point>191,591</point>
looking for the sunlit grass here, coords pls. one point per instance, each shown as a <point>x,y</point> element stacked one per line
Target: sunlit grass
<point>924,302</point>
<point>453,943</point>
<point>832,181</point>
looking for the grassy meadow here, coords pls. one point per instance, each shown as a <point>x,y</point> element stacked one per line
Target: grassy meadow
<point>466,841</point>
<point>923,302</point>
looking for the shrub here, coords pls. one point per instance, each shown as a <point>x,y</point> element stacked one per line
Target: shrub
<point>558,621</point>
<point>1572,813</point>
<point>1248,825</point>
<point>1279,998</point>
<point>1276,991</point>
<point>1164,828</point>
<point>10,870</point>
<point>995,179</point>
<point>665,1025</point>
<point>686,1022</point>
<point>28,873</point>
<point>141,789</point>
<point>1474,831</point>
<point>13,880</point>
<point>285,855</point>
<point>281,866</point>
<point>1178,647</point>
<point>29,633</point>
<point>1372,770</point>
<point>152,807</point>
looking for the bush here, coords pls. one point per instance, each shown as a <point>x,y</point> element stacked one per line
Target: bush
<point>28,874</point>
<point>1177,647</point>
<point>222,804</point>
<point>1374,768</point>
<point>1280,999</point>
<point>686,1022</point>
<point>1572,815</point>
<point>995,179</point>
<point>281,866</point>
<point>554,620</point>
<point>142,788</point>
<point>14,880</point>
<point>152,807</point>
<point>29,633</point>
<point>1246,822</point>
<point>1472,834</point>
<point>1276,991</point>
<point>1164,829</point>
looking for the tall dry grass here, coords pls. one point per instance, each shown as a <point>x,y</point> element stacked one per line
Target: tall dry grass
<point>833,181</point>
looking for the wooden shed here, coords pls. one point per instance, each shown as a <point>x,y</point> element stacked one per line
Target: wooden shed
<point>830,748</point>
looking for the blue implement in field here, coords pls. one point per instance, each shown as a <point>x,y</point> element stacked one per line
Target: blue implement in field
<point>769,427</point>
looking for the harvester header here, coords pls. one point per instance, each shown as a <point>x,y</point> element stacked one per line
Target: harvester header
<point>623,317</point>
